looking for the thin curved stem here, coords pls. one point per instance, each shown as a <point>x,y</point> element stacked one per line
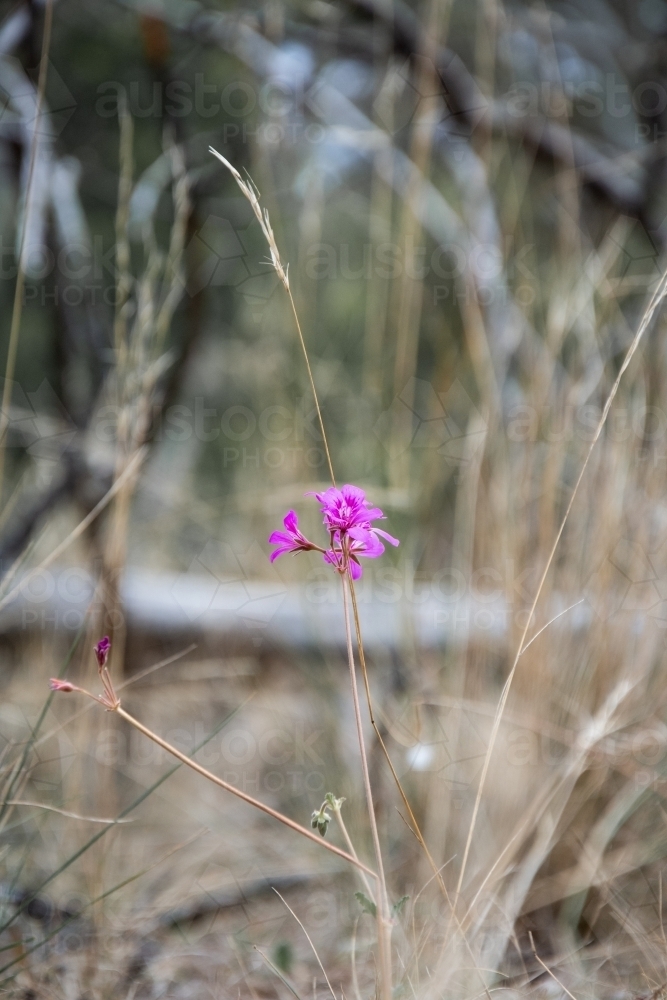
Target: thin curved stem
<point>285,820</point>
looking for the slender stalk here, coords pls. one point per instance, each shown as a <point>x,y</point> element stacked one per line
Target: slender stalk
<point>350,846</point>
<point>17,308</point>
<point>384,924</point>
<point>437,872</point>
<point>285,820</point>
<point>282,270</point>
<point>406,803</point>
<point>312,383</point>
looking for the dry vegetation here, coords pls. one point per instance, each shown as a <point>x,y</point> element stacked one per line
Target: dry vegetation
<point>464,391</point>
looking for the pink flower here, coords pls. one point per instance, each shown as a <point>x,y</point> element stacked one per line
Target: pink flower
<point>370,549</point>
<point>346,508</point>
<point>102,650</point>
<point>290,540</point>
<point>348,518</point>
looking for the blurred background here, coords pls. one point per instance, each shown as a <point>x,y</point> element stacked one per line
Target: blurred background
<point>471,198</point>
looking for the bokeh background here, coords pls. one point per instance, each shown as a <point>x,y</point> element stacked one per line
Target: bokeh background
<point>471,198</point>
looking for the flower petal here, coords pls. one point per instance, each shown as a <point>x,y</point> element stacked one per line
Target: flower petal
<point>280,538</point>
<point>291,522</point>
<point>385,534</point>
<point>355,569</point>
<point>361,533</point>
<point>353,494</point>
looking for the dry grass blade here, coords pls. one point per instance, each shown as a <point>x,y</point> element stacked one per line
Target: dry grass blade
<point>276,972</point>
<point>252,194</point>
<point>64,812</point>
<point>19,288</point>
<point>550,622</point>
<point>548,970</point>
<point>131,470</point>
<point>310,942</point>
<point>649,313</point>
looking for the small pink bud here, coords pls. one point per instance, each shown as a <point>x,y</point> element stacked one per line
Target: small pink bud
<point>102,650</point>
<point>57,685</point>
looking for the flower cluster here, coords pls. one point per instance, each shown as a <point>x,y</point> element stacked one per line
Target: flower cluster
<point>348,518</point>
<point>109,698</point>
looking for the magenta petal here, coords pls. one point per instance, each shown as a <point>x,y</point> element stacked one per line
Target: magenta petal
<point>353,494</point>
<point>373,514</point>
<point>280,538</point>
<point>355,569</point>
<point>365,543</point>
<point>387,537</point>
<point>371,550</point>
<point>360,534</point>
<point>291,521</point>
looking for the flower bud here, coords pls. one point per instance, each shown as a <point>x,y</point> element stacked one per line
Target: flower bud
<point>102,650</point>
<point>57,685</point>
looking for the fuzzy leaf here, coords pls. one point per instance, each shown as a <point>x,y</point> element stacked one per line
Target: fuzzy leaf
<point>397,907</point>
<point>367,905</point>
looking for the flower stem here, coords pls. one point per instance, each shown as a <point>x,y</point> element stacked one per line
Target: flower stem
<point>241,795</point>
<point>350,846</point>
<point>383,921</point>
<point>312,383</point>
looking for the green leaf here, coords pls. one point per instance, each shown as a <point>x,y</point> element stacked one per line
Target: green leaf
<point>397,907</point>
<point>367,905</point>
